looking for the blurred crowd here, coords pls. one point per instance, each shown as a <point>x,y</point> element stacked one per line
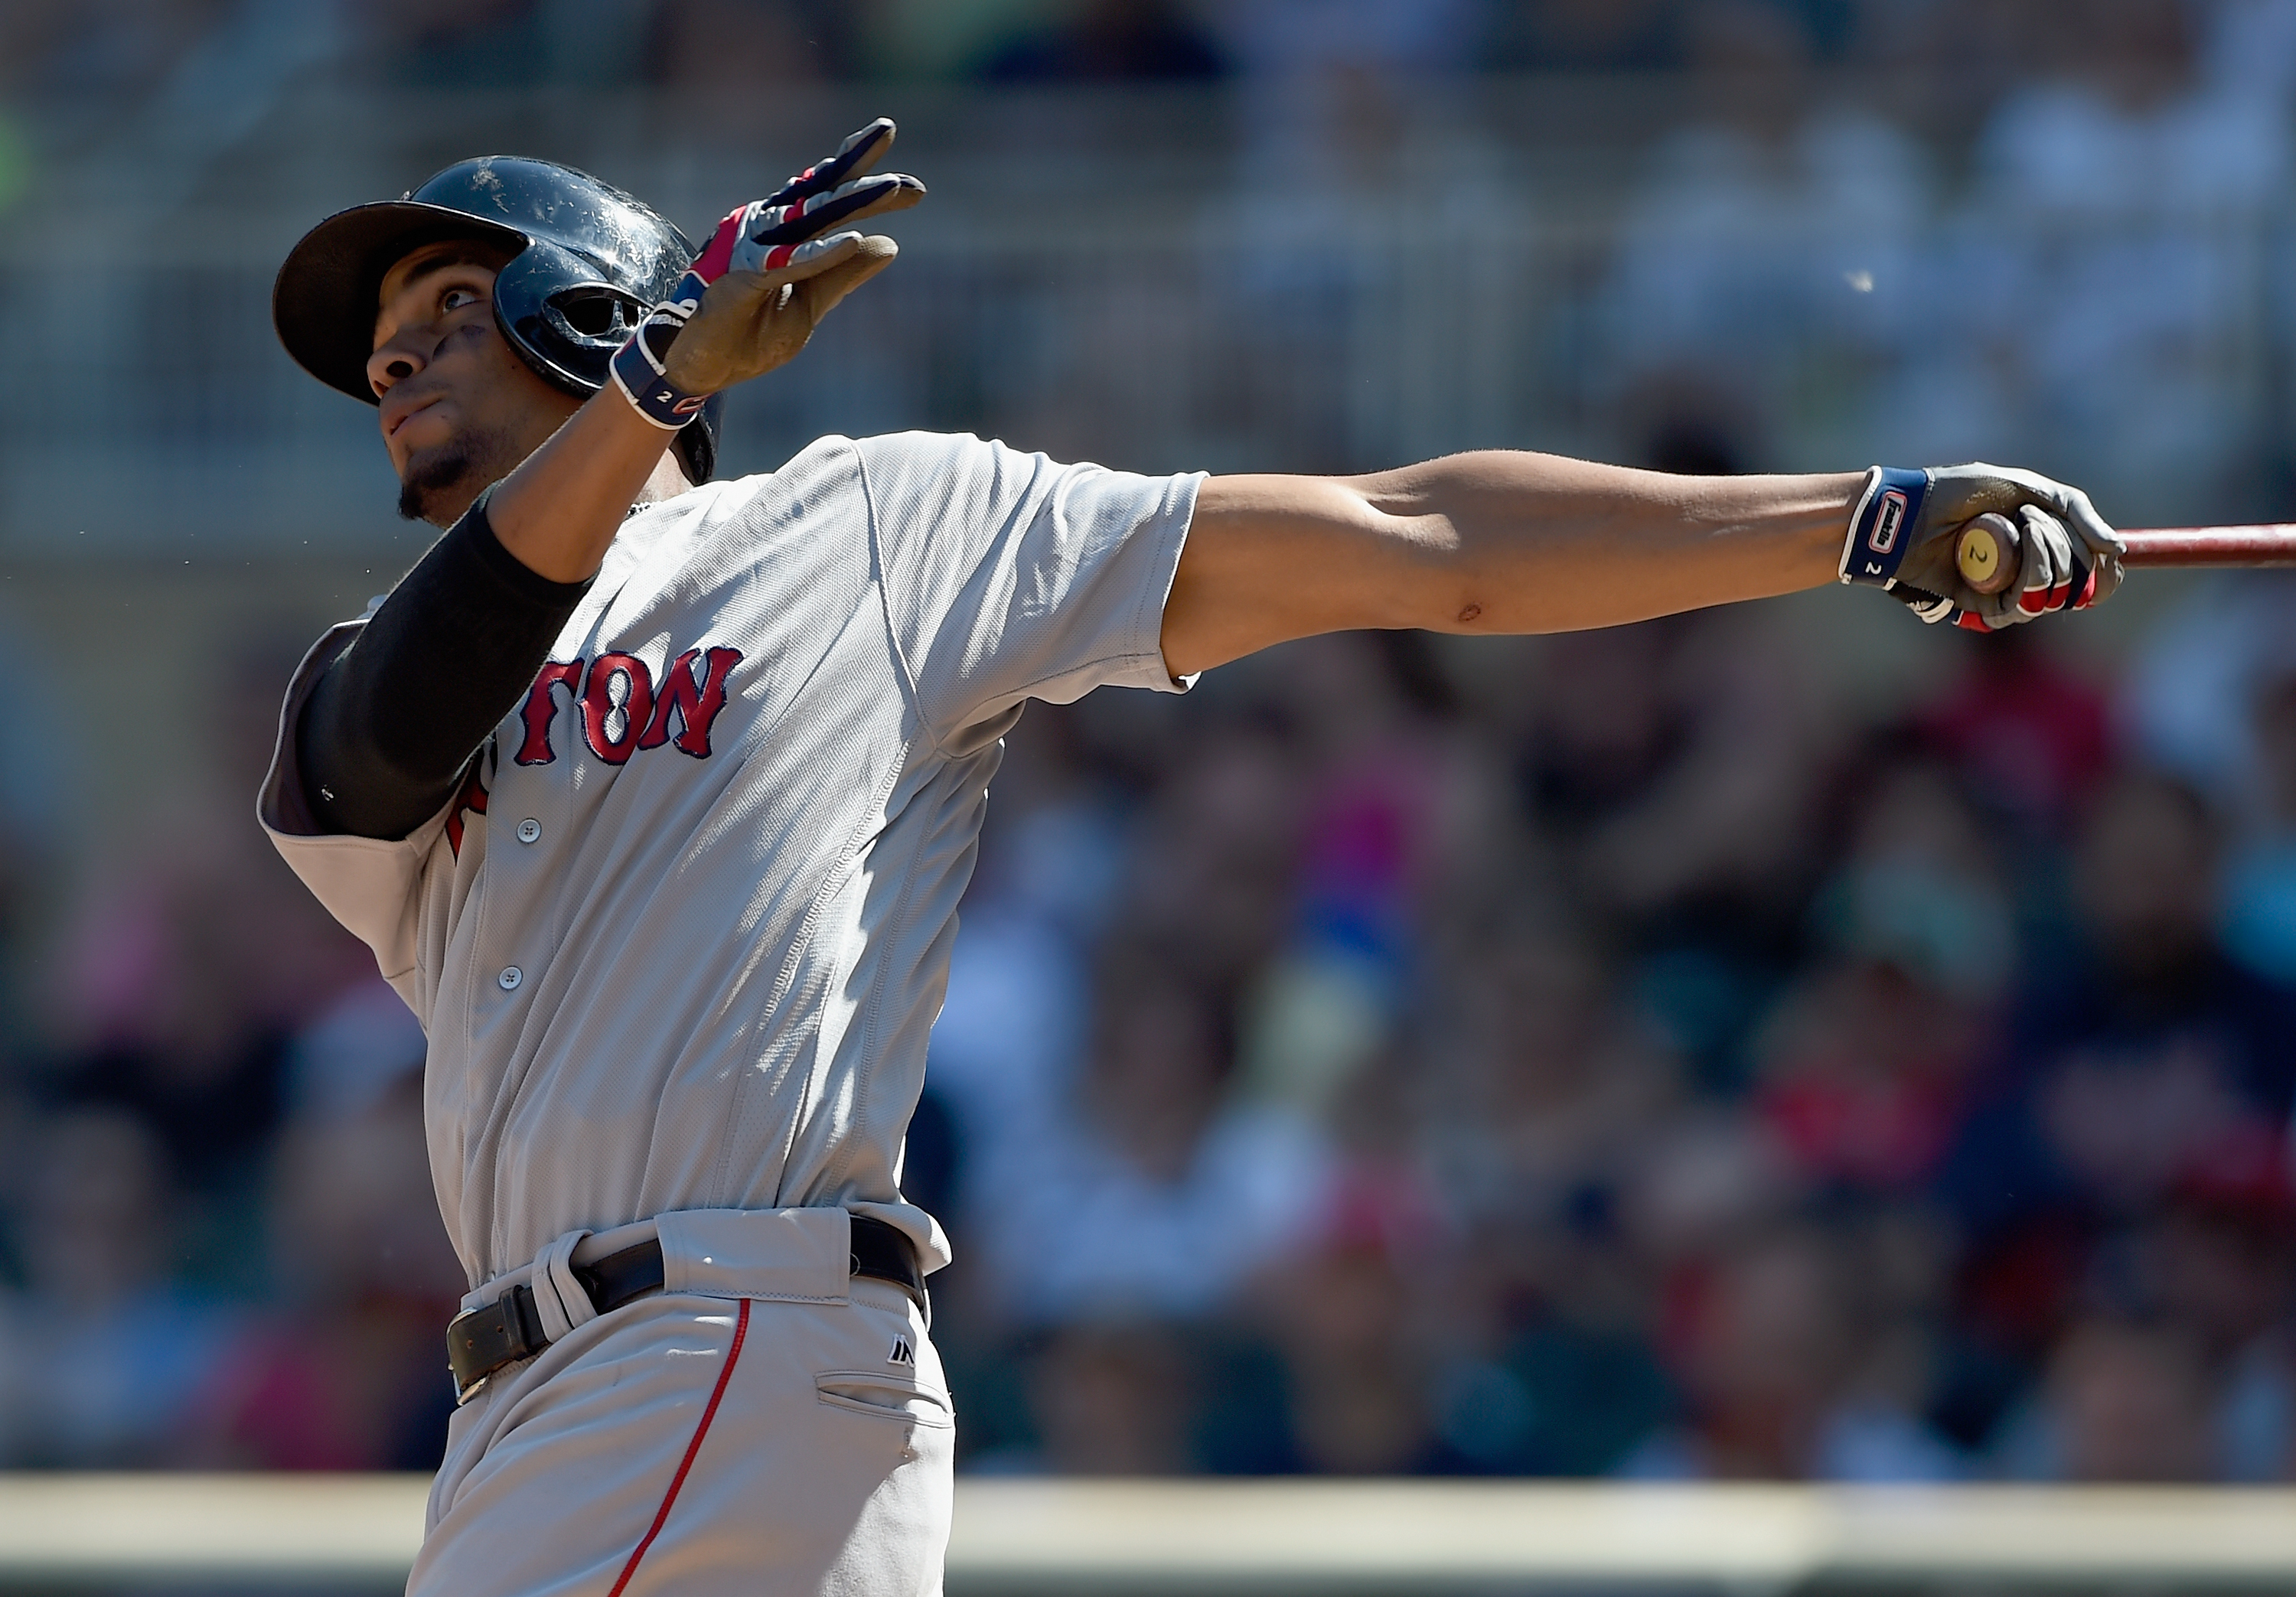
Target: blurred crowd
<point>218,1243</point>
<point>1663,1052</point>
<point>120,45</point>
<point>1617,1055</point>
<point>2096,269</point>
<point>2060,229</point>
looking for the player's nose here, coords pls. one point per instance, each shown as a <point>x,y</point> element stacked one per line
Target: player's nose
<point>393,361</point>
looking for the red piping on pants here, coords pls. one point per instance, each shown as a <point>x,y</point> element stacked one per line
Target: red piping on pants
<point>677,1481</point>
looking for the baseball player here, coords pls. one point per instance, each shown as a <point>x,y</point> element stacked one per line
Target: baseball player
<point>655,796</point>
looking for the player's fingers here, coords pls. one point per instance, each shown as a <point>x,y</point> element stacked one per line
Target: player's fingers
<point>794,263</point>
<point>802,219</point>
<point>825,269</point>
<point>2098,551</point>
<point>2092,529</point>
<point>2046,578</point>
<point>857,154</point>
<point>827,287</point>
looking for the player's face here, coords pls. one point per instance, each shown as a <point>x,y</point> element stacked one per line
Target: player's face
<point>459,409</point>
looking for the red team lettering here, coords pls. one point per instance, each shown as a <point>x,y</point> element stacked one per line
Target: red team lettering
<point>539,707</point>
<point>473,798</point>
<point>696,701</point>
<point>696,696</point>
<point>598,705</point>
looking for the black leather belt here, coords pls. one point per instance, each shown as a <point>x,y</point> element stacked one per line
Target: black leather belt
<point>484,1341</point>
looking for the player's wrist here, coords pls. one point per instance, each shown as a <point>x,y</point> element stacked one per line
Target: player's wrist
<point>1884,523</point>
<point>1880,526</point>
<point>640,369</point>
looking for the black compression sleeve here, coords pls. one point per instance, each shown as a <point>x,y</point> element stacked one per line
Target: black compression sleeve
<point>390,725</point>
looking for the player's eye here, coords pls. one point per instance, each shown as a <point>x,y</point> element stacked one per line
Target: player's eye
<point>454,299</point>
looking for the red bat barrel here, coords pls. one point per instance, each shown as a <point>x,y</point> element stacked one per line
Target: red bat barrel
<point>2273,544</point>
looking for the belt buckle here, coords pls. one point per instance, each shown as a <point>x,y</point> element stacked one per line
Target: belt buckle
<point>482,1341</point>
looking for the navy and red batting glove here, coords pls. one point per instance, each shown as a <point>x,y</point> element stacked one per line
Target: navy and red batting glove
<point>787,228</point>
<point>1904,532</point>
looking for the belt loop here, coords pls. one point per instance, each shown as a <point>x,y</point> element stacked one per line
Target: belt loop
<point>559,1298</point>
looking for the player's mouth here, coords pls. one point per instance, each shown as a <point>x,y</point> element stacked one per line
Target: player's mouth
<point>391,423</point>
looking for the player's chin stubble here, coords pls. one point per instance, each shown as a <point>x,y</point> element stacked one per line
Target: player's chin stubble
<point>458,469</point>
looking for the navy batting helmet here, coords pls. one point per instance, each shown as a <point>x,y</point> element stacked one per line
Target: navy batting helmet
<point>587,262</point>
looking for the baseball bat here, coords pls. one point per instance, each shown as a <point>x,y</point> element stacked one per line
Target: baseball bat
<point>1988,550</point>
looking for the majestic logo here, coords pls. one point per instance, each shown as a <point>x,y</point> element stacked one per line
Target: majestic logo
<point>1887,525</point>
<point>624,709</point>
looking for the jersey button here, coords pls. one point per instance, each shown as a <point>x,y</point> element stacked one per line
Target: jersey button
<point>529,830</point>
<point>510,978</point>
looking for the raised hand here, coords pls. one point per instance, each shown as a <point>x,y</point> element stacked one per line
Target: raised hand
<point>769,273</point>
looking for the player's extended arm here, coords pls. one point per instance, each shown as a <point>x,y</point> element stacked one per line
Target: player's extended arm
<point>1506,541</point>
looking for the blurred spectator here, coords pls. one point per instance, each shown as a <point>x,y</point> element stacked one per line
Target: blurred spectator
<point>2191,693</point>
<point>1213,870</point>
<point>1681,778</point>
<point>1552,1088</point>
<point>1292,40</point>
<point>1355,1366</point>
<point>2030,737</point>
<point>2215,1263</point>
<point>1115,1399</point>
<point>1774,1364</point>
<point>192,960</point>
<point>2131,277</point>
<point>488,43</point>
<point>97,47</point>
<point>2134,1064</point>
<point>345,1373</point>
<point>1865,1063</point>
<point>1151,1148</point>
<point>103,1352</point>
<point>2260,897</point>
<point>1766,246</point>
<point>2125,1402</point>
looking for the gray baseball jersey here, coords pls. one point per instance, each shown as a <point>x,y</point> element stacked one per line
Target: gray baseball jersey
<point>679,942</point>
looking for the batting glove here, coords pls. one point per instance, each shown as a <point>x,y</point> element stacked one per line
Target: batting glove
<point>1903,537</point>
<point>769,273</point>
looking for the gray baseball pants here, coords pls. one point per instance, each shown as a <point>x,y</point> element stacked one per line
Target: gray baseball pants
<point>767,1424</point>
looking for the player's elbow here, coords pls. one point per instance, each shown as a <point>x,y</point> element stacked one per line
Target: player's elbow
<point>1433,579</point>
<point>1424,570</point>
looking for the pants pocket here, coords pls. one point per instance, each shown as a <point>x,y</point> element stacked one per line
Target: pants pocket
<point>886,1395</point>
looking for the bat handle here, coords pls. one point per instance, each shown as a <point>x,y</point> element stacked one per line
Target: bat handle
<point>1988,552</point>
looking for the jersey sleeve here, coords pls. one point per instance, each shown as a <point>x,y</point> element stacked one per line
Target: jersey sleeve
<point>1010,577</point>
<point>373,886</point>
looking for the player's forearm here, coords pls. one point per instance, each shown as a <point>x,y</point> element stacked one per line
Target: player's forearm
<point>1494,542</point>
<point>390,727</point>
<point>560,509</point>
<point>1535,543</point>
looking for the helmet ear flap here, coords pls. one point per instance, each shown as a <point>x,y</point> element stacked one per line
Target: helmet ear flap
<point>697,445</point>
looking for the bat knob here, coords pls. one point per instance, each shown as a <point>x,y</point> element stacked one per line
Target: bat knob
<point>1987,553</point>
